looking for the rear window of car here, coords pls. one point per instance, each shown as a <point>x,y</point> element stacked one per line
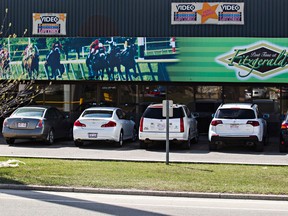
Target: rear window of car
<point>235,114</point>
<point>29,112</point>
<point>97,114</point>
<point>156,113</point>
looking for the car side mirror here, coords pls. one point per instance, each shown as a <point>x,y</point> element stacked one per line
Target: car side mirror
<point>266,116</point>
<point>213,114</point>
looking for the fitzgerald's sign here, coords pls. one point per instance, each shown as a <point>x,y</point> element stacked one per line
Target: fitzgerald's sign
<point>231,60</point>
<point>262,60</point>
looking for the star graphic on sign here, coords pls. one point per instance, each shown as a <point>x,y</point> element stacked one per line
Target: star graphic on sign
<point>208,12</point>
<point>62,17</point>
<point>36,16</point>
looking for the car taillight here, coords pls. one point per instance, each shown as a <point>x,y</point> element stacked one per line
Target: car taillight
<point>284,126</point>
<point>5,123</point>
<point>181,125</point>
<point>253,123</point>
<point>40,124</point>
<point>109,124</point>
<point>79,124</point>
<point>216,122</point>
<point>141,124</point>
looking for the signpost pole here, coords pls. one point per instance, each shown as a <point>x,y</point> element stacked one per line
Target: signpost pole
<point>167,132</point>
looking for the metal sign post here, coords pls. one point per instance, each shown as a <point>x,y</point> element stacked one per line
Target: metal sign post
<point>167,112</point>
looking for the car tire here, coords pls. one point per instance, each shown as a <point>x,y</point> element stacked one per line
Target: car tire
<point>195,139</point>
<point>10,141</point>
<point>70,134</point>
<point>187,144</point>
<point>212,146</point>
<point>50,137</point>
<point>78,143</point>
<point>143,145</point>
<point>135,135</point>
<point>265,140</point>
<point>259,146</point>
<point>283,147</point>
<point>120,141</point>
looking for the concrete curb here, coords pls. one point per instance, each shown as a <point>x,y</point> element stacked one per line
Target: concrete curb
<point>145,192</point>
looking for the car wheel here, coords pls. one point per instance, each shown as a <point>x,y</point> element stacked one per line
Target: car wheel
<point>10,141</point>
<point>70,134</point>
<point>259,146</point>
<point>196,138</point>
<point>120,141</point>
<point>143,145</point>
<point>187,144</point>
<point>265,140</point>
<point>78,143</point>
<point>282,148</point>
<point>212,146</point>
<point>135,135</point>
<point>50,137</point>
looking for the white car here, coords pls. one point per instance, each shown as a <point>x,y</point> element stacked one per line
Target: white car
<point>182,126</point>
<point>105,124</point>
<point>238,123</point>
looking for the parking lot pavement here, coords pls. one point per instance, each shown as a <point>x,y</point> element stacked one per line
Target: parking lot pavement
<point>131,151</point>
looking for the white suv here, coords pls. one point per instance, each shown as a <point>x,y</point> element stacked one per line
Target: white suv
<point>238,122</point>
<point>182,126</point>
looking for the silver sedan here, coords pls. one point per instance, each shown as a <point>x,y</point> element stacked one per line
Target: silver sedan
<point>44,123</point>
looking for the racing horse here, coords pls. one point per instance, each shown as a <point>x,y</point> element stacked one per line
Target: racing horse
<point>97,64</point>
<point>128,60</point>
<point>114,59</point>
<point>53,61</point>
<point>31,64</point>
<point>4,63</point>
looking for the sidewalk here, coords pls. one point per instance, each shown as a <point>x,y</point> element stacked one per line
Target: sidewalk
<point>146,192</point>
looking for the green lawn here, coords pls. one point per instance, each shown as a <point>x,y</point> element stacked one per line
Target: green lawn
<point>149,176</point>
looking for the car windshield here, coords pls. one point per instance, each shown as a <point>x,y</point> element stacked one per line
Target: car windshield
<point>235,114</point>
<point>156,113</point>
<point>29,112</point>
<point>97,114</point>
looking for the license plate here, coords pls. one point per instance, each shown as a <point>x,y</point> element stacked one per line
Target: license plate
<point>234,126</point>
<point>92,135</point>
<point>21,124</point>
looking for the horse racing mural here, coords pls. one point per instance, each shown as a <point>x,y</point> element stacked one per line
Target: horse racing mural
<point>98,59</point>
<point>116,59</point>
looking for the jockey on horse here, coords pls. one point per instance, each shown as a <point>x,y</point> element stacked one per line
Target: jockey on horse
<point>96,60</point>
<point>53,60</point>
<point>4,62</point>
<point>128,58</point>
<point>114,59</point>
<point>30,60</point>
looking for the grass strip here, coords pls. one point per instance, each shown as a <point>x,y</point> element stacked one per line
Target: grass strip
<point>221,178</point>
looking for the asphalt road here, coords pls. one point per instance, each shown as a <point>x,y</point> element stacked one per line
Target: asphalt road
<point>131,151</point>
<point>64,203</point>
